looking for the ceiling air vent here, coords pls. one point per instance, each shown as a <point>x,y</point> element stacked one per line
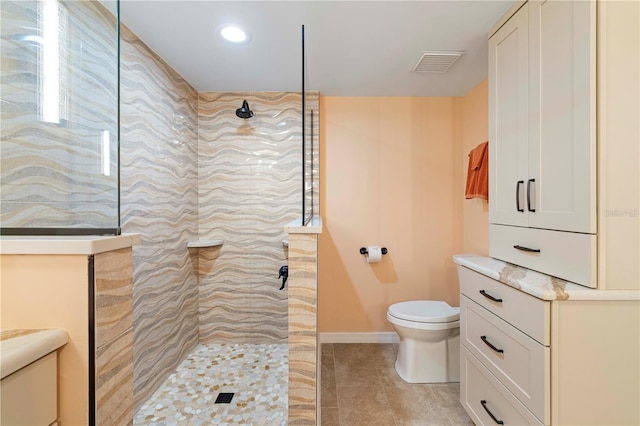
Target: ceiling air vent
<point>436,61</point>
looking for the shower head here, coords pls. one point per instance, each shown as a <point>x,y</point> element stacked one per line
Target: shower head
<point>244,111</point>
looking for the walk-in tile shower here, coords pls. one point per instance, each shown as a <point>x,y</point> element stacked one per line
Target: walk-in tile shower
<point>101,135</point>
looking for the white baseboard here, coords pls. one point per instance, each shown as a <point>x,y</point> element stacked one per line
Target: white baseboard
<point>362,337</point>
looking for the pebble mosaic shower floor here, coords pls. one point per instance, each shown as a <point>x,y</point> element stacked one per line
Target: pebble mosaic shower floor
<point>257,373</point>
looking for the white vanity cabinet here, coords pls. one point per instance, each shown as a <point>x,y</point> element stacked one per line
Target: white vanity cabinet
<point>542,117</point>
<point>524,360</point>
<point>505,338</point>
<point>544,350</point>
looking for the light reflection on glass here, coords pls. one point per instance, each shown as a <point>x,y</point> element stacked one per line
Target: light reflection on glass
<point>50,62</point>
<point>106,153</point>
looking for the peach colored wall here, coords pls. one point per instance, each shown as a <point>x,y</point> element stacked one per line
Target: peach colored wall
<point>392,173</point>
<point>475,212</point>
<point>388,168</point>
<point>55,287</point>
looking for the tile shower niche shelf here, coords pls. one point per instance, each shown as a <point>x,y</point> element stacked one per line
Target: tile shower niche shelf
<point>205,243</point>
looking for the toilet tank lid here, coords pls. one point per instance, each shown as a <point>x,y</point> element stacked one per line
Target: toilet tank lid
<point>425,311</point>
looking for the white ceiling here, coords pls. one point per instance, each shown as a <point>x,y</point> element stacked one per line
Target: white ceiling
<point>353,48</point>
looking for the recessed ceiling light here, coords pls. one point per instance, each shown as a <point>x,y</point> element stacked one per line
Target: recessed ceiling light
<point>233,33</point>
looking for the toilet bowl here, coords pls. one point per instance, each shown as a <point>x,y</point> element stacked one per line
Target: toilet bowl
<point>429,350</point>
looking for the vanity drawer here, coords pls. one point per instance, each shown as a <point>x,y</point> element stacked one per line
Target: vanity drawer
<point>525,312</point>
<point>567,255</point>
<point>520,363</point>
<point>483,396</point>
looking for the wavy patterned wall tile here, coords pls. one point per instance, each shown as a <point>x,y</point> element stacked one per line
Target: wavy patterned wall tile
<point>159,200</point>
<point>249,189</point>
<point>113,299</point>
<point>114,337</point>
<point>303,328</point>
<point>114,381</point>
<point>52,172</point>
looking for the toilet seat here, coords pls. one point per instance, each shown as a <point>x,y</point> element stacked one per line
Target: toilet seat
<point>425,311</point>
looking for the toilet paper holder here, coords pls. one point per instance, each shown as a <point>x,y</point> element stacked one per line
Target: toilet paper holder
<point>363,250</point>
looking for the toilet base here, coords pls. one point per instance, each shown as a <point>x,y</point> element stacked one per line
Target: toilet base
<point>435,361</point>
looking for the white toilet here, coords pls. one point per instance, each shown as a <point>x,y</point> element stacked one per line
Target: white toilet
<point>429,350</point>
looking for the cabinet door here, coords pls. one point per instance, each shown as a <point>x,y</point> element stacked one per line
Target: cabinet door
<point>508,116</point>
<point>562,115</point>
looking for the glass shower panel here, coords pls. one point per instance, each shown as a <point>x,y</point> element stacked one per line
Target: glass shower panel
<point>310,155</point>
<point>59,109</point>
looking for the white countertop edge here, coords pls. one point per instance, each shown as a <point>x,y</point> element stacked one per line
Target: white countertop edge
<point>313,227</point>
<point>21,351</point>
<point>492,267</point>
<point>484,265</point>
<point>205,243</point>
<point>62,244</point>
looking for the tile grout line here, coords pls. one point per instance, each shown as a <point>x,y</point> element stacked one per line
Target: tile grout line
<point>335,382</point>
<point>444,397</point>
<point>386,396</point>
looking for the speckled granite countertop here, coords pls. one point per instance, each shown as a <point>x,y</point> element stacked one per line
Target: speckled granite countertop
<point>539,285</point>
<point>19,348</point>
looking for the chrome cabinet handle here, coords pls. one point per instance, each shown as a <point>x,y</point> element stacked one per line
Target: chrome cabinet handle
<point>490,297</point>
<point>484,405</point>
<point>529,182</point>
<point>520,182</point>
<point>486,342</point>
<point>522,248</point>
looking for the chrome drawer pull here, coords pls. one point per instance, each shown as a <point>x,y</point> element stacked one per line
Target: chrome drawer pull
<point>526,249</point>
<point>484,405</point>
<point>490,297</point>
<point>486,342</point>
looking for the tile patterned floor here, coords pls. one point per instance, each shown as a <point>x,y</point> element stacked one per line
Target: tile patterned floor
<point>360,386</point>
<point>256,373</point>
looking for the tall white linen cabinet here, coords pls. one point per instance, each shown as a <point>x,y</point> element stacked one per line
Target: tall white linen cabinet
<point>564,200</point>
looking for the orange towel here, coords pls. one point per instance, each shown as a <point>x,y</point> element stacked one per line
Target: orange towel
<point>478,173</point>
